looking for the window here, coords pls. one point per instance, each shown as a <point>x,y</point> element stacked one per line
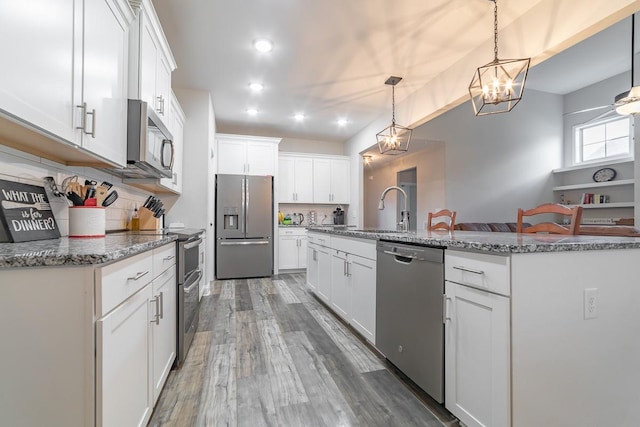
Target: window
<point>603,140</point>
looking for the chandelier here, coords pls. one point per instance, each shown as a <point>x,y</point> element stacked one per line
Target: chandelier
<point>497,87</point>
<point>393,139</point>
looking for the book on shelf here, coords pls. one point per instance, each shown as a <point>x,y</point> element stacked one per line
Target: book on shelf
<point>593,199</point>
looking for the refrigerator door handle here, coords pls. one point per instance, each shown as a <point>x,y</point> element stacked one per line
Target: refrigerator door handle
<point>243,211</point>
<point>257,242</point>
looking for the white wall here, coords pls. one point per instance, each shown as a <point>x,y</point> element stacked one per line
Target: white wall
<point>195,206</point>
<point>430,180</point>
<point>297,145</point>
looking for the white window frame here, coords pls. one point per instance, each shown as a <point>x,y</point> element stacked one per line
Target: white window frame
<point>577,141</point>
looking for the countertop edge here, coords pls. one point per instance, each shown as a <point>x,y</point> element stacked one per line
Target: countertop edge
<point>55,258</point>
<point>493,242</point>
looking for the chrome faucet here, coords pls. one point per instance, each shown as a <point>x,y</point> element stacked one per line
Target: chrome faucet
<point>404,224</point>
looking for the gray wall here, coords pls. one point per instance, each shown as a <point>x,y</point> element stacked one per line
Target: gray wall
<point>493,164</point>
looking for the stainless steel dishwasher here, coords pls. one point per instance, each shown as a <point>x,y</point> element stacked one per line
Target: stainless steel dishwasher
<point>409,328</point>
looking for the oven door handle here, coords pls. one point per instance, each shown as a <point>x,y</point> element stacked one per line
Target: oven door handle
<point>198,272</point>
<point>192,244</point>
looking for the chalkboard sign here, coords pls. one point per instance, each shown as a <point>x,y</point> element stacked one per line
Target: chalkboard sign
<point>25,212</point>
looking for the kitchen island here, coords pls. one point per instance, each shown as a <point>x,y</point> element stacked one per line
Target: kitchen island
<point>539,329</point>
<point>89,327</point>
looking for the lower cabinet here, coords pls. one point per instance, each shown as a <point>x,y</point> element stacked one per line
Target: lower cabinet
<point>345,280</point>
<point>136,340</point>
<point>292,248</point>
<point>122,363</point>
<point>163,328</point>
<point>477,341</point>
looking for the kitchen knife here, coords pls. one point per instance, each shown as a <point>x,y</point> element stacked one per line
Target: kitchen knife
<point>146,202</point>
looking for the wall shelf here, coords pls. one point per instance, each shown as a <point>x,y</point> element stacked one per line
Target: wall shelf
<point>606,205</point>
<point>595,185</point>
<point>592,165</point>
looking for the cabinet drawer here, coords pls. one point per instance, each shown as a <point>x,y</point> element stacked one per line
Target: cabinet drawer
<point>321,239</point>
<point>360,247</point>
<point>293,231</point>
<point>482,271</point>
<point>117,282</point>
<point>163,258</point>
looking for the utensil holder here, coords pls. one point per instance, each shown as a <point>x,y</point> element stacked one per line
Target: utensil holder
<point>147,220</point>
<point>87,221</point>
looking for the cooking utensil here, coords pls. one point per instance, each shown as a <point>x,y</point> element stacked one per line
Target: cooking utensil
<point>91,201</point>
<point>101,194</point>
<point>75,187</point>
<point>106,185</point>
<point>90,192</point>
<point>111,197</point>
<point>75,198</point>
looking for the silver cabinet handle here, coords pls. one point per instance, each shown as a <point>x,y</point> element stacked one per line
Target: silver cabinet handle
<point>344,268</point>
<point>160,108</point>
<point>168,258</point>
<point>468,270</point>
<point>162,305</point>
<point>348,269</point>
<point>93,123</point>
<point>83,117</point>
<point>138,275</point>
<point>156,316</point>
<point>445,308</point>
<point>315,255</point>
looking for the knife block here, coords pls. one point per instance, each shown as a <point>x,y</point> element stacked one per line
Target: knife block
<point>147,220</point>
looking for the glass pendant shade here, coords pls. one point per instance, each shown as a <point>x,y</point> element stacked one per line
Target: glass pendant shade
<point>497,87</point>
<point>394,139</point>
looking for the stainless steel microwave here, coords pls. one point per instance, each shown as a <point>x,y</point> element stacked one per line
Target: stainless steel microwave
<point>150,151</point>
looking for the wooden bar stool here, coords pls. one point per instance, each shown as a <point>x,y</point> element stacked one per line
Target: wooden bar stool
<point>441,225</point>
<point>573,227</point>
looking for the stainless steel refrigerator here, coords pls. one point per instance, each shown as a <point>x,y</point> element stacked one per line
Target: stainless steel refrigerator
<point>244,226</point>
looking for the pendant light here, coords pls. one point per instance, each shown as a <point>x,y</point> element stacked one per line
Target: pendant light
<point>629,102</point>
<point>497,86</point>
<point>393,139</point>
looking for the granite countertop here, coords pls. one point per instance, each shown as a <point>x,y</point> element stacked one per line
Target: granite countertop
<point>493,242</point>
<point>69,252</point>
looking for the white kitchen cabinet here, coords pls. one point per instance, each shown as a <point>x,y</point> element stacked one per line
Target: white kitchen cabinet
<point>163,328</point>
<point>176,127</point>
<point>151,63</point>
<point>122,363</point>
<point>295,179</point>
<point>78,95</point>
<point>362,275</point>
<point>477,356</point>
<point>247,155</point>
<point>340,284</point>
<point>342,272</point>
<point>324,273</point>
<point>477,338</point>
<point>292,248</point>
<point>331,180</point>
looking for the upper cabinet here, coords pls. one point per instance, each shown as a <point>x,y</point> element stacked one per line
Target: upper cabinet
<point>176,127</point>
<point>331,180</point>
<point>68,78</point>
<point>247,155</point>
<point>295,179</point>
<point>308,178</point>
<point>151,62</point>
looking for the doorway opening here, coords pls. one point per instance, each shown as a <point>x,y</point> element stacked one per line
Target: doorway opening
<point>407,180</point>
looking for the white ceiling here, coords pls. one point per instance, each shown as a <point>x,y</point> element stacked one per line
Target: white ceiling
<point>331,57</point>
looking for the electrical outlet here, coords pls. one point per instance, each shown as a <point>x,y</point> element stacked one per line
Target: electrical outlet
<point>590,303</point>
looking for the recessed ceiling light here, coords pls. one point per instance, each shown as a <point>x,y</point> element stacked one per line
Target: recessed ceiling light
<point>299,117</point>
<point>252,112</point>
<point>256,87</point>
<point>263,45</point>
<point>342,122</point>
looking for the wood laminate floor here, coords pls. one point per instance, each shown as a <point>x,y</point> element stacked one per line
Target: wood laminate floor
<point>268,353</point>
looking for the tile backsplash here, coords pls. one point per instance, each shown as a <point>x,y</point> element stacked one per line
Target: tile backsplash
<point>22,167</point>
<point>324,213</point>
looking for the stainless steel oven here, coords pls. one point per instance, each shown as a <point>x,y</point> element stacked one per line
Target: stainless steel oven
<point>189,274</point>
